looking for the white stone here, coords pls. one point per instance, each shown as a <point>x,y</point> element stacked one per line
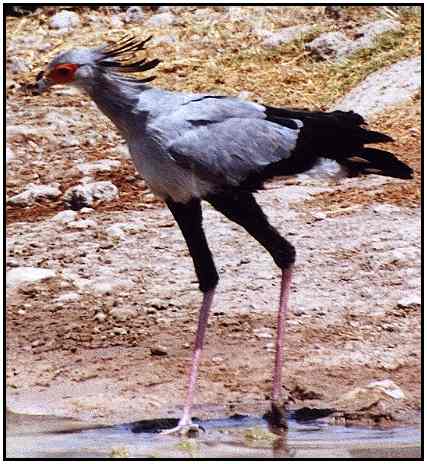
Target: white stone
<point>115,231</point>
<point>104,165</point>
<point>64,217</point>
<point>119,331</point>
<point>330,45</point>
<point>134,14</point>
<point>161,19</point>
<point>68,297</point>
<point>368,33</point>
<point>384,88</point>
<point>103,285</point>
<point>23,275</point>
<point>10,155</point>
<point>244,95</point>
<point>163,39</point>
<point>35,192</point>
<point>65,20</point>
<point>320,216</point>
<point>88,194</point>
<point>285,35</point>
<point>263,333</point>
<point>82,224</point>
<point>324,169</point>
<point>100,317</point>
<point>121,314</point>
<point>18,65</point>
<point>123,151</point>
<point>410,300</point>
<point>116,22</point>
<point>388,387</point>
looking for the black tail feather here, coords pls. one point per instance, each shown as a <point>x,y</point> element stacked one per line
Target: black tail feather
<point>380,162</point>
<point>338,135</point>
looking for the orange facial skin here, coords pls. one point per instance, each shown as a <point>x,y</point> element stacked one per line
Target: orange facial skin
<point>63,73</point>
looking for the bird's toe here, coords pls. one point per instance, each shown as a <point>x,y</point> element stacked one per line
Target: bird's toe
<point>187,430</point>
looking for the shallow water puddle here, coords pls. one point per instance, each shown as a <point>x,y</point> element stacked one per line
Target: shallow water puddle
<point>234,437</point>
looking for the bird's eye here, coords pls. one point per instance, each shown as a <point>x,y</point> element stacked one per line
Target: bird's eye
<point>63,73</point>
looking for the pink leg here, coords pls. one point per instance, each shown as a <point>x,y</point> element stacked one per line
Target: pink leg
<point>185,421</point>
<point>281,317</point>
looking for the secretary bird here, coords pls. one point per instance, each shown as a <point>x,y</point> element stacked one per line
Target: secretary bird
<point>191,147</point>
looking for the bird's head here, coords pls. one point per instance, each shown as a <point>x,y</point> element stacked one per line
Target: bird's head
<point>79,66</point>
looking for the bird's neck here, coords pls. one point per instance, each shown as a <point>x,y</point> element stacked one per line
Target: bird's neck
<point>117,99</point>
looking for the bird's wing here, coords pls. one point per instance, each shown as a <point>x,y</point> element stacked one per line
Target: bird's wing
<point>228,140</point>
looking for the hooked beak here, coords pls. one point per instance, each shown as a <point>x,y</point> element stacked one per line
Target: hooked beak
<point>42,83</point>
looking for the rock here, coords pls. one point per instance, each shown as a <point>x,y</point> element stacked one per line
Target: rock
<point>115,231</point>
<point>388,387</point>
<point>320,216</point>
<point>10,155</point>
<point>367,34</point>
<point>324,169</point>
<point>86,210</point>
<point>119,331</point>
<point>68,297</point>
<point>237,13</point>
<point>134,14</point>
<point>336,45</point>
<point>244,95</point>
<point>104,165</point>
<point>122,314</point>
<point>35,192</point>
<point>363,398</point>
<point>80,196</point>
<point>116,22</point>
<point>17,65</point>
<point>158,351</point>
<point>163,39</point>
<point>285,35</point>
<point>64,217</point>
<point>103,285</point>
<point>410,301</point>
<point>330,45</point>
<point>123,151</point>
<point>100,317</point>
<point>82,224</point>
<point>263,333</point>
<point>384,88</point>
<point>21,131</point>
<point>157,303</point>
<point>23,275</point>
<point>161,19</point>
<point>64,20</point>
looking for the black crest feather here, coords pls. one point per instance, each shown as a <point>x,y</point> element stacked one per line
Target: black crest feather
<point>123,57</point>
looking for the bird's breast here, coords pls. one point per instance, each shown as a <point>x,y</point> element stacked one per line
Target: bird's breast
<point>163,176</point>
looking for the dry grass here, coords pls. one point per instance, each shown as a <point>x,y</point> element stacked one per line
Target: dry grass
<point>228,56</point>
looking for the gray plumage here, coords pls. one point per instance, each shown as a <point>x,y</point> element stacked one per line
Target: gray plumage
<point>184,145</point>
<point>190,147</point>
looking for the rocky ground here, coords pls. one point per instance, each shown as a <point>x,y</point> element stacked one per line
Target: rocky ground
<point>102,302</point>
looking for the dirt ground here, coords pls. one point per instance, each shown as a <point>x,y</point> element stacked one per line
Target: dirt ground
<point>109,337</point>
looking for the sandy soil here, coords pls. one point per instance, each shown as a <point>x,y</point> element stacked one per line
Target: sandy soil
<point>109,337</point>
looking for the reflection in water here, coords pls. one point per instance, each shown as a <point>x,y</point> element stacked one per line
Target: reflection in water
<point>238,436</point>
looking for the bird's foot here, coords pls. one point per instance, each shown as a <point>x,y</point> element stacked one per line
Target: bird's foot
<point>277,417</point>
<point>184,428</point>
